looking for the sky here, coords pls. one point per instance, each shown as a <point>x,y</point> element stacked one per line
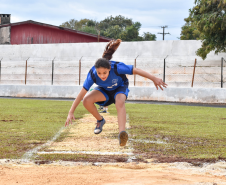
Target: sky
<point>152,14</point>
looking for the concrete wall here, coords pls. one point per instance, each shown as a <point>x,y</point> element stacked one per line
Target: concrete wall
<point>176,50</point>
<point>5,35</point>
<point>149,56</point>
<point>189,95</point>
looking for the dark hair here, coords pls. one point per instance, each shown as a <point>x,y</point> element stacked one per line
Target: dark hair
<point>107,55</point>
<point>103,62</point>
<point>111,48</point>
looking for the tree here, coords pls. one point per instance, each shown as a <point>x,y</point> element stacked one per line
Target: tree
<point>89,29</point>
<point>131,33</point>
<point>209,17</point>
<point>147,36</point>
<point>112,32</point>
<point>110,21</point>
<point>85,25</point>
<point>118,27</point>
<point>189,31</point>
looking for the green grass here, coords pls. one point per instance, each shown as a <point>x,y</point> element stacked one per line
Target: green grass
<point>189,132</point>
<point>25,124</point>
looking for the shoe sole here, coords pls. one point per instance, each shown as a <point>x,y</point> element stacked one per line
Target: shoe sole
<point>123,138</point>
<point>98,132</point>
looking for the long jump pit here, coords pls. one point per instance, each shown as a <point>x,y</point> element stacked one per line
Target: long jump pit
<point>102,162</point>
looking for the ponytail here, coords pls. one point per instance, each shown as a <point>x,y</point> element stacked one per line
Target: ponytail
<point>111,47</point>
<point>107,55</point>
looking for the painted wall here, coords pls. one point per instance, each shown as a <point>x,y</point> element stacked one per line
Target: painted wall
<point>37,34</point>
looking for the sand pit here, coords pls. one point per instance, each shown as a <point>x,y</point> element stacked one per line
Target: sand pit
<point>81,139</point>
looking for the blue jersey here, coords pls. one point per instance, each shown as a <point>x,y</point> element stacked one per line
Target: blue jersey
<point>117,77</point>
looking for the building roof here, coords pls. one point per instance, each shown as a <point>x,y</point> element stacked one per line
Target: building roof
<point>54,27</point>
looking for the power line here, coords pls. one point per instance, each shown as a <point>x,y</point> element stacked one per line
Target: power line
<point>163,34</point>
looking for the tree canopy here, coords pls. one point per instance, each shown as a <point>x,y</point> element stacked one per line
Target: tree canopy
<point>189,31</point>
<point>209,18</point>
<point>118,27</point>
<point>148,36</point>
<point>85,25</point>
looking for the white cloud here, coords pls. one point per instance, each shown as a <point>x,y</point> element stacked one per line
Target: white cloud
<point>150,13</point>
<point>16,19</point>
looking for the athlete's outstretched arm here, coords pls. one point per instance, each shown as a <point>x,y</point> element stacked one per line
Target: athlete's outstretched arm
<point>79,98</point>
<point>157,81</point>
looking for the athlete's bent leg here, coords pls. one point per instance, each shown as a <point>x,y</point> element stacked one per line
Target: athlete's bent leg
<point>90,99</point>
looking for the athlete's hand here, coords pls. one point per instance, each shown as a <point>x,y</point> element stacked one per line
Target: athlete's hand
<point>159,83</point>
<point>70,117</point>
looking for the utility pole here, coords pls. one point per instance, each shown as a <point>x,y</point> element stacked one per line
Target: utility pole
<point>163,34</point>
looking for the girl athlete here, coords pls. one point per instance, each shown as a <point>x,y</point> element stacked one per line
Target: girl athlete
<point>110,76</point>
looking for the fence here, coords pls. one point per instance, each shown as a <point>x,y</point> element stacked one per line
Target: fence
<point>195,73</point>
<point>210,76</point>
<point>73,71</point>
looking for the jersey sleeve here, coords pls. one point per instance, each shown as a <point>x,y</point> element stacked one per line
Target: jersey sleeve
<point>89,81</point>
<point>124,69</point>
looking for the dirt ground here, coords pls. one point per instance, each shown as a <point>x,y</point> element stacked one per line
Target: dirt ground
<point>104,175</point>
<point>81,138</point>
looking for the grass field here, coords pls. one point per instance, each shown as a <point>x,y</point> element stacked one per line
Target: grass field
<point>190,132</point>
<point>183,131</point>
<point>29,123</point>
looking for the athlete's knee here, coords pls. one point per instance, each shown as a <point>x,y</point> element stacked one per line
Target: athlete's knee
<point>86,101</point>
<point>120,102</point>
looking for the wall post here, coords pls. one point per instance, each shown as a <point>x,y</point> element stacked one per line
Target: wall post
<point>222,79</point>
<point>0,68</point>
<point>135,64</point>
<point>193,74</point>
<point>80,70</point>
<point>26,72</point>
<point>52,69</point>
<point>164,69</point>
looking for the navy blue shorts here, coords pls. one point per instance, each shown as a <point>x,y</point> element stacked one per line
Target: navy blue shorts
<point>110,95</point>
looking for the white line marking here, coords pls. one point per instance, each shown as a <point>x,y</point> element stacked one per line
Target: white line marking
<point>147,141</point>
<point>29,154</point>
<point>86,152</point>
<point>128,127</point>
<point>127,121</point>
